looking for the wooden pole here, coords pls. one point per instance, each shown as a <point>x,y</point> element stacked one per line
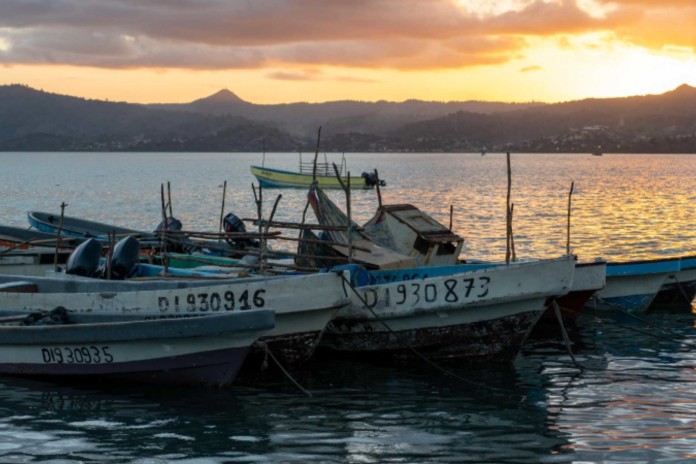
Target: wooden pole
<point>316,155</point>
<point>512,236</point>
<point>346,190</point>
<point>58,238</point>
<point>222,209</point>
<point>507,211</point>
<point>570,196</point>
<point>169,196</point>
<point>110,253</point>
<point>379,191</point>
<point>164,233</point>
<point>451,215</point>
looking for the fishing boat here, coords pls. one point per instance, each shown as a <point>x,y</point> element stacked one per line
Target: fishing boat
<point>206,350</point>
<point>303,304</point>
<point>35,261</point>
<point>483,314</point>
<point>632,286</point>
<point>76,227</point>
<point>679,289</point>
<point>589,278</point>
<point>323,173</point>
<point>17,238</point>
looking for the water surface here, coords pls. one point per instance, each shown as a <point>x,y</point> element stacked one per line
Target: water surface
<point>631,399</point>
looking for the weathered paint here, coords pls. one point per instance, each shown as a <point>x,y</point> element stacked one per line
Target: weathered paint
<point>493,309</point>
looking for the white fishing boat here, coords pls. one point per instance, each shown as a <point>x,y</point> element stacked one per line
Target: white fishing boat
<point>135,348</point>
<point>303,304</point>
<point>478,314</point>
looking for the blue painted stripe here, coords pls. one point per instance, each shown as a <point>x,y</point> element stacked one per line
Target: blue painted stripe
<point>643,267</point>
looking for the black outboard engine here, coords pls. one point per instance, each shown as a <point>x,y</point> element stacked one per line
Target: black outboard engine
<point>124,258</point>
<point>233,224</point>
<point>84,260</point>
<point>173,224</point>
<point>176,244</point>
<point>371,179</point>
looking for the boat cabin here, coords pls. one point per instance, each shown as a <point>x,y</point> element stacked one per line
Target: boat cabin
<point>409,231</point>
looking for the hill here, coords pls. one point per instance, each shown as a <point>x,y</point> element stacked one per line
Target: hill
<point>33,120</point>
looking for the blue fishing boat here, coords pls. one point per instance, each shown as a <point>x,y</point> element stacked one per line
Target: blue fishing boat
<point>633,285</point>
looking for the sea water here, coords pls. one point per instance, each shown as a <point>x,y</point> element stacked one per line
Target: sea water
<point>629,398</point>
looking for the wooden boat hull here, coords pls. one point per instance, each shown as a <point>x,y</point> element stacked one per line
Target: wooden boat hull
<point>31,262</point>
<point>679,289</point>
<point>476,315</point>
<point>199,350</point>
<point>632,286</point>
<point>75,227</point>
<point>277,178</point>
<point>588,278</point>
<point>303,304</point>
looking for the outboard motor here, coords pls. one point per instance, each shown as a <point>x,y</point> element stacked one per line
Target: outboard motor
<point>173,224</point>
<point>371,179</point>
<point>233,224</point>
<point>124,257</point>
<point>84,260</point>
<point>178,244</point>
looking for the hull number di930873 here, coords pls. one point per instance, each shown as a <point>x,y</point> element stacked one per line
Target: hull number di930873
<point>448,291</point>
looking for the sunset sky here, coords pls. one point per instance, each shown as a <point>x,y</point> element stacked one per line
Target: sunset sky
<point>276,51</point>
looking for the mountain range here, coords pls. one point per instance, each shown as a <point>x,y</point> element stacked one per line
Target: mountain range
<point>34,120</point>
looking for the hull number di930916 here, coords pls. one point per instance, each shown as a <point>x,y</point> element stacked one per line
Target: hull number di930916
<point>213,301</point>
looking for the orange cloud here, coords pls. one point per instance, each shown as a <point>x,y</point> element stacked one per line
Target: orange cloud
<point>395,34</point>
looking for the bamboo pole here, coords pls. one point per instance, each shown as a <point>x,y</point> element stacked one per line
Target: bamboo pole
<point>508,218</point>
<point>58,237</point>
<point>222,209</point>
<point>451,216</point>
<point>570,196</point>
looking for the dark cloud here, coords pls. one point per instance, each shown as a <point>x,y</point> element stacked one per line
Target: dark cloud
<point>228,34</point>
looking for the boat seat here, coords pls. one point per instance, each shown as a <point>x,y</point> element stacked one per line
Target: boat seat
<point>19,286</point>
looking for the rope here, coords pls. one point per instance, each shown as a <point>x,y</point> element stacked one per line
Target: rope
<point>416,352</point>
<point>679,337</point>
<point>282,369</point>
<point>681,289</point>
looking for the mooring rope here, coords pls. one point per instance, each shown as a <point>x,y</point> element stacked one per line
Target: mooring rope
<point>620,309</point>
<point>268,353</point>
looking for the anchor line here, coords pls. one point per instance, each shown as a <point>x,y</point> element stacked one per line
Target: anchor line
<point>681,289</point>
<point>268,353</point>
<point>677,336</point>
<point>416,352</point>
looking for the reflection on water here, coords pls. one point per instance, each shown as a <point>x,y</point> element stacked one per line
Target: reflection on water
<point>631,401</point>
